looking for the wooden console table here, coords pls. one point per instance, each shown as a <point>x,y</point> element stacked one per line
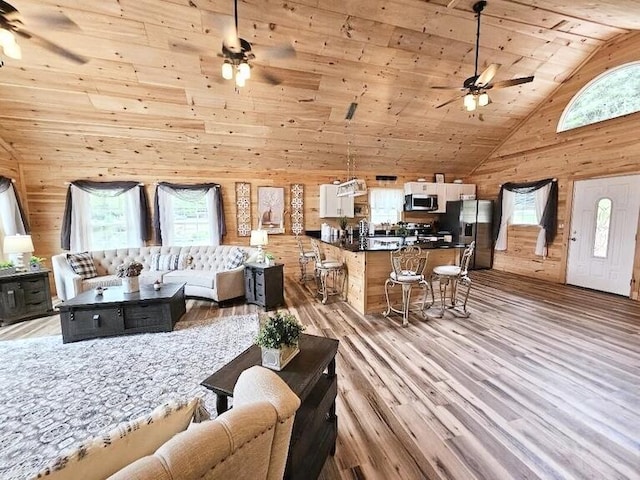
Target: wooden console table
<point>312,377</point>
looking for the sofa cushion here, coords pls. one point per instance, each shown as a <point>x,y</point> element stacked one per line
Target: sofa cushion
<point>200,278</point>
<point>82,264</point>
<point>235,259</point>
<point>104,281</point>
<point>102,456</point>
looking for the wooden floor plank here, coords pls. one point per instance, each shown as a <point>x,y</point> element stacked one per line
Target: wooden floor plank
<point>542,381</point>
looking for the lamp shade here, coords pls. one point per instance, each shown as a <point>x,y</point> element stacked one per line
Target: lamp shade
<point>17,244</point>
<point>259,238</point>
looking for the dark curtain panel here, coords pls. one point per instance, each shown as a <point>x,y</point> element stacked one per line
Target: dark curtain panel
<point>550,215</point>
<point>104,189</point>
<point>5,184</point>
<point>188,192</point>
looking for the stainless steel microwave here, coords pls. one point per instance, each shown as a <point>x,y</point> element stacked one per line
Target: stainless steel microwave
<point>422,202</point>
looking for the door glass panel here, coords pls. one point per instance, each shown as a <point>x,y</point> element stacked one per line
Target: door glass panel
<point>603,224</point>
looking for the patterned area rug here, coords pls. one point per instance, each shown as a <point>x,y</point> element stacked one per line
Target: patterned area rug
<point>55,395</point>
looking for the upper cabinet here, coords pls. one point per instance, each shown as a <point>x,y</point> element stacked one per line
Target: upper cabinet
<point>446,192</point>
<point>333,206</point>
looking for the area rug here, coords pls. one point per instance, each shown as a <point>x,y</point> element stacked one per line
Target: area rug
<point>55,395</point>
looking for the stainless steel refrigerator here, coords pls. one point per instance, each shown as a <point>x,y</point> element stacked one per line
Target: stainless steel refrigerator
<point>468,221</point>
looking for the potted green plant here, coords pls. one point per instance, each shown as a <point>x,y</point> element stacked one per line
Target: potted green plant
<point>35,263</point>
<point>278,339</point>
<point>7,268</point>
<point>269,258</point>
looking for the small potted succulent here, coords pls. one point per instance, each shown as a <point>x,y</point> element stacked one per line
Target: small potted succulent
<point>278,338</point>
<point>7,268</point>
<point>129,273</point>
<point>35,263</point>
<point>269,258</point>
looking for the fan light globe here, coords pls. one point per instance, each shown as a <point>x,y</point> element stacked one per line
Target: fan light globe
<point>227,71</point>
<point>13,50</point>
<point>6,38</point>
<point>240,80</point>
<point>483,99</point>
<point>469,102</point>
<point>245,70</point>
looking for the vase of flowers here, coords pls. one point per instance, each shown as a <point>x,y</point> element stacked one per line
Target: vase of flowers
<point>278,339</point>
<point>129,273</point>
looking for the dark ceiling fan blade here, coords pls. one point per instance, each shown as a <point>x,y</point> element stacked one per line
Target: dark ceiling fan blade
<point>52,47</point>
<point>488,74</point>
<point>454,99</point>
<point>57,20</point>
<point>277,52</point>
<point>450,87</point>
<point>510,83</point>
<point>7,10</point>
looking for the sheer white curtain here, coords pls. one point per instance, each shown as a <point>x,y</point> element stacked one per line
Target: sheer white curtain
<point>10,219</point>
<point>166,214</point>
<point>541,197</point>
<point>508,206</point>
<point>82,237</point>
<point>386,205</point>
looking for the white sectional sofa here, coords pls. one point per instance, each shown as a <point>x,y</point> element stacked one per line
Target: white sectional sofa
<point>207,274</point>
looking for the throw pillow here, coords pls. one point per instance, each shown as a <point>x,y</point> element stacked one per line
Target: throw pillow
<point>163,262</point>
<point>235,258</point>
<point>82,264</point>
<point>104,455</point>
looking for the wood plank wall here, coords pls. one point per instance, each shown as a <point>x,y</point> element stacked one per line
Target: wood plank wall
<point>46,191</point>
<point>535,151</point>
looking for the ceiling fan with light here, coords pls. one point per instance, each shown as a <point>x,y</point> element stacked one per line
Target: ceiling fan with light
<point>475,88</point>
<point>11,24</point>
<point>237,54</point>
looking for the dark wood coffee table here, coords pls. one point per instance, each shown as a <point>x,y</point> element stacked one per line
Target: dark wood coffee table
<point>312,377</point>
<point>117,313</point>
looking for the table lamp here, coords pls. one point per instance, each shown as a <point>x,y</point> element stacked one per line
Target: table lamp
<point>259,238</point>
<point>18,245</point>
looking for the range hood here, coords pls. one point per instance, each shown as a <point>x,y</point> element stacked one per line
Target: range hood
<point>352,188</point>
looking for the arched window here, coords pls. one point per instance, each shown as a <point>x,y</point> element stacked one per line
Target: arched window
<point>612,94</point>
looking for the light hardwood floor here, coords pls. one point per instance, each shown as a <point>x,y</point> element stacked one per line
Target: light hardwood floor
<point>542,381</point>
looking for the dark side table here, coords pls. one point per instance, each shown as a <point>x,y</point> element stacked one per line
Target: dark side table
<point>25,295</point>
<point>311,375</point>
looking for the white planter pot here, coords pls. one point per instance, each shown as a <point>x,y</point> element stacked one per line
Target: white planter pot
<point>277,358</point>
<point>130,284</point>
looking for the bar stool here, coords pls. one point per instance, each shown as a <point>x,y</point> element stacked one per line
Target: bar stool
<point>304,258</point>
<point>457,278</point>
<point>328,272</point>
<point>407,263</point>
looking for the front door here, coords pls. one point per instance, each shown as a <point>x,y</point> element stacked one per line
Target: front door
<point>602,243</point>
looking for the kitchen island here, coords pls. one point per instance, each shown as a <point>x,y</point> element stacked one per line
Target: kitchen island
<point>368,269</point>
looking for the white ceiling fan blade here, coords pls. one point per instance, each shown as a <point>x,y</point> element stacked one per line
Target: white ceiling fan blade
<point>488,74</point>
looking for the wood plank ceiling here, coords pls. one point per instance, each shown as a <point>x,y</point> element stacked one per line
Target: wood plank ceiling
<point>153,85</point>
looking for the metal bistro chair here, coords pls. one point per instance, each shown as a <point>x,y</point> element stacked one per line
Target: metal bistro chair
<point>304,258</point>
<point>457,278</point>
<point>408,263</point>
<point>328,272</point>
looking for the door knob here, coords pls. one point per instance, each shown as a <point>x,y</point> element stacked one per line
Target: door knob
<point>573,239</point>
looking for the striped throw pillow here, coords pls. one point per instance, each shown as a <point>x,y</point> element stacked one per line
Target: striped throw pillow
<point>164,262</point>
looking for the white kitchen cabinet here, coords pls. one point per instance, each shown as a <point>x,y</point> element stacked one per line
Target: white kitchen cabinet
<point>446,192</point>
<point>333,206</point>
<point>425,188</point>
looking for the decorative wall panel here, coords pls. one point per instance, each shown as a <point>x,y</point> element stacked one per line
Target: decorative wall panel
<point>297,208</point>
<point>243,208</point>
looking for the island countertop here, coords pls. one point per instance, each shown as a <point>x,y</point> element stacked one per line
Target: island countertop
<point>367,270</point>
<point>381,243</point>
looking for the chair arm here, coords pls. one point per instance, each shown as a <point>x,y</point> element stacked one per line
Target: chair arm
<point>68,282</point>
<point>259,383</point>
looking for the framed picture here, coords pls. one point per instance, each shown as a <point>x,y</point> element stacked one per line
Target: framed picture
<point>271,209</point>
<point>439,177</point>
